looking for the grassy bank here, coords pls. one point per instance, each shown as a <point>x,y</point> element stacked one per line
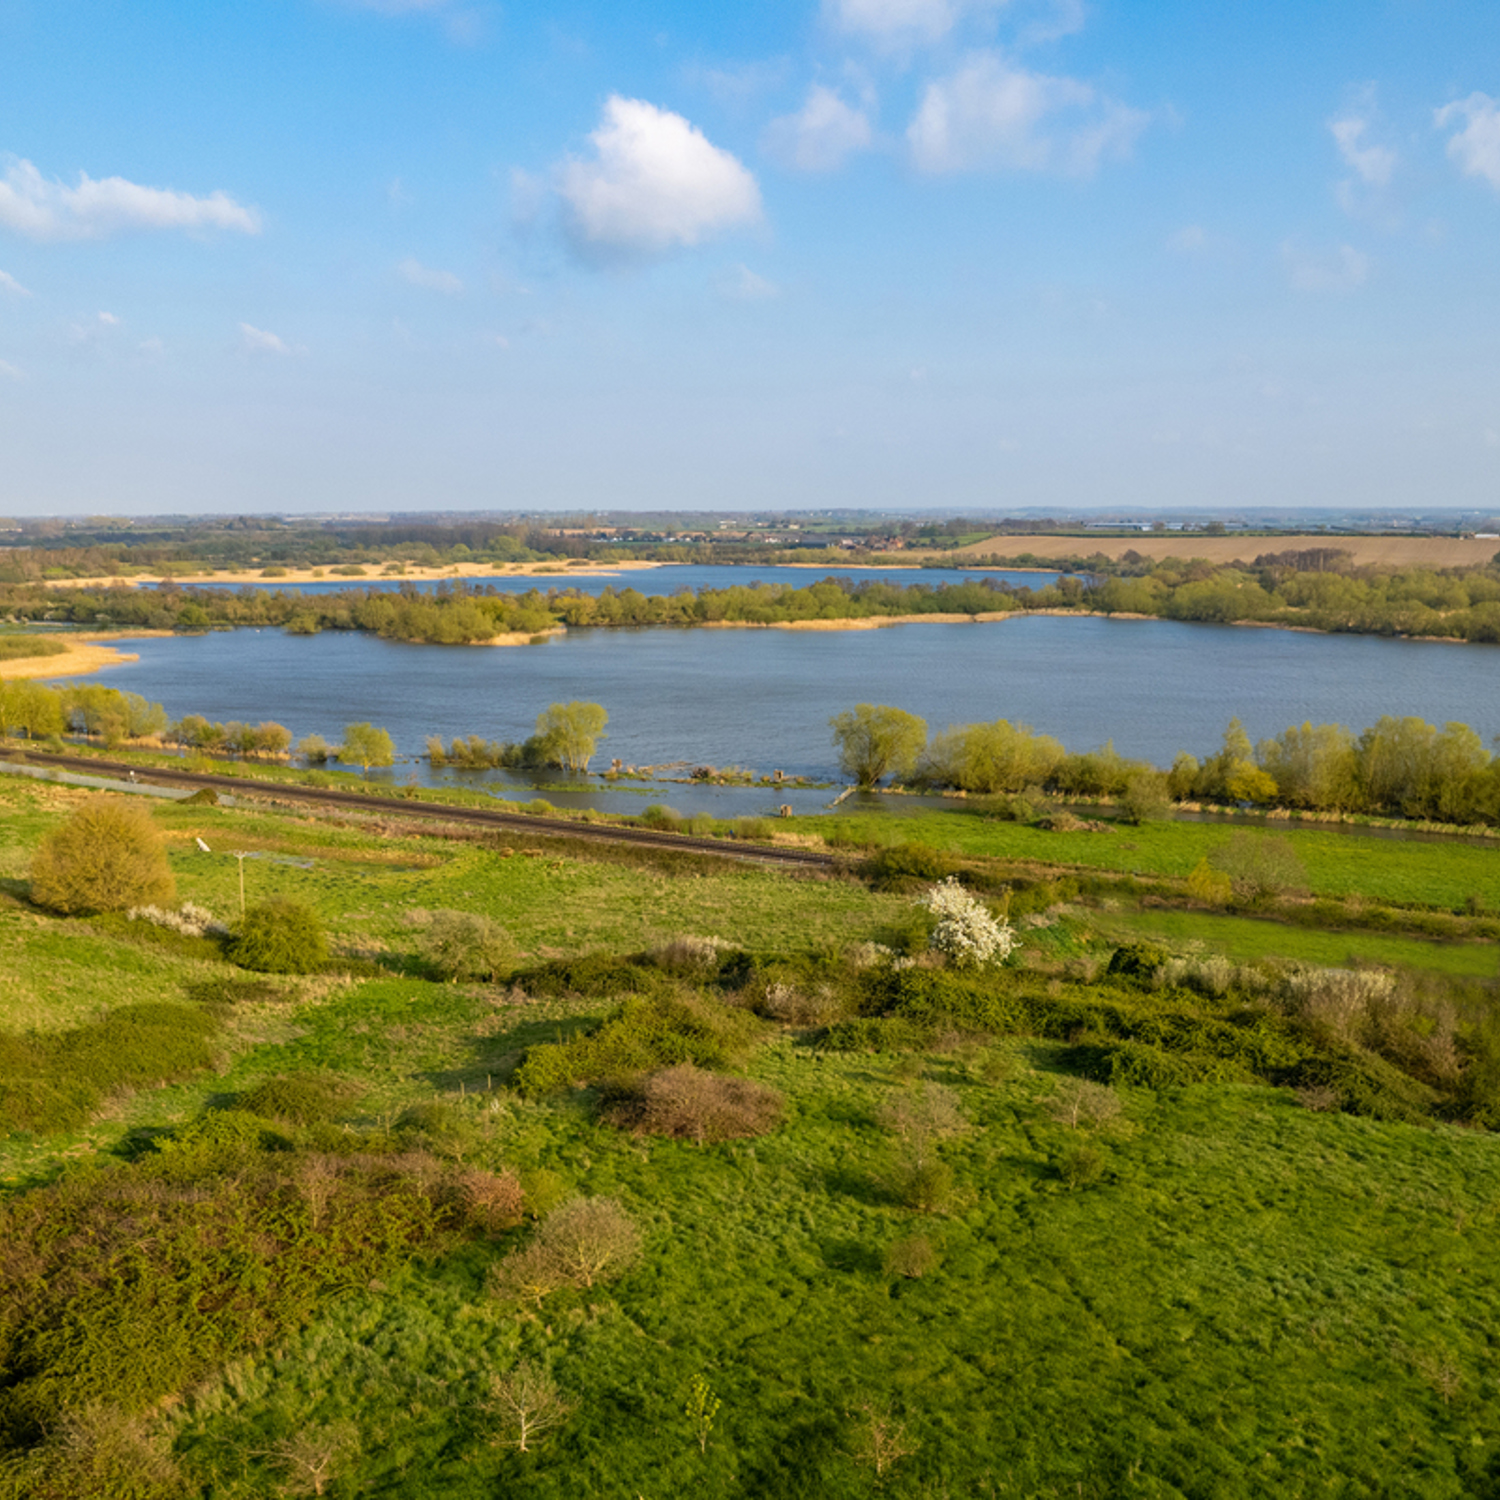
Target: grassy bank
<point>1186,1289</point>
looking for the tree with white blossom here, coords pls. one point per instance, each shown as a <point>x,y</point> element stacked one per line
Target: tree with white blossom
<point>966,933</point>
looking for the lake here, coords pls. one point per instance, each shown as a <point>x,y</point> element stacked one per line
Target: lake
<point>763,698</point>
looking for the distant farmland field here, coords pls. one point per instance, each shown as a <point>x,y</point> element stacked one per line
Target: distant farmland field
<point>1384,551</point>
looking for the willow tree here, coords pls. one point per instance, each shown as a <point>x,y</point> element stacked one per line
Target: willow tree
<point>875,741</point>
<point>568,733</point>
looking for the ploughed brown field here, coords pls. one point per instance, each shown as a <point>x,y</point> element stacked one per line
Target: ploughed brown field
<point>1380,551</point>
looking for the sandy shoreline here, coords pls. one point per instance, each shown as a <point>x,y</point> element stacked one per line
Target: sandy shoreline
<point>255,577</point>
<point>85,655</point>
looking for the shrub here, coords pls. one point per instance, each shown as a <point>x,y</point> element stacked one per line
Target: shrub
<point>1081,1165</point>
<point>594,1239</point>
<point>465,946</point>
<point>912,1257</point>
<point>694,1105</point>
<point>1259,866</point>
<point>279,937</point>
<point>580,1243</point>
<point>1137,961</point>
<point>966,934</point>
<point>1080,1102</point>
<point>491,1201</point>
<point>108,856</point>
<point>925,1185</point>
<point>302,1098</point>
<point>923,1113</point>
<point>638,1037</point>
<point>188,920</point>
<point>902,866</point>
<point>1146,798</point>
<point>797,1005</point>
<point>688,953</point>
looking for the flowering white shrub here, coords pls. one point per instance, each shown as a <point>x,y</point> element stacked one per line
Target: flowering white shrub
<point>966,934</point>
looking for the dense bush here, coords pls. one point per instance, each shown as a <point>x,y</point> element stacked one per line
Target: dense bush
<point>279,937</point>
<point>109,856</point>
<point>903,867</point>
<point>55,1081</point>
<point>641,1036</point>
<point>465,946</point>
<point>302,1098</point>
<point>128,1283</point>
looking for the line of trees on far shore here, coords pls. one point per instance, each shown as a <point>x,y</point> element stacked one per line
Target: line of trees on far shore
<point>1312,589</point>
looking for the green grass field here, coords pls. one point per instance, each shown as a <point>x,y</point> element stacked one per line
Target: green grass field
<point>1440,874</point>
<point>1215,1291</point>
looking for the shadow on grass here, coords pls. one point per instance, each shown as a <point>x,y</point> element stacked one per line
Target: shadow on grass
<point>861,1187</point>
<point>495,1058</point>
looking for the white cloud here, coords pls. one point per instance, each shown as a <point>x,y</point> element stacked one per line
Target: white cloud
<point>901,22</point>
<point>8,283</point>
<point>1191,239</point>
<point>990,113</point>
<point>821,134</point>
<point>1476,148</point>
<point>1372,165</point>
<point>152,346</point>
<point>655,183</point>
<point>43,210</point>
<point>743,285</point>
<point>1339,271</point>
<point>109,320</point>
<point>434,281</point>
<point>258,341</point>
<point>10,371</point>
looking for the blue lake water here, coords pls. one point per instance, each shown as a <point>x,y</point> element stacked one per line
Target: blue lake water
<point>762,698</point>
<point>669,579</point>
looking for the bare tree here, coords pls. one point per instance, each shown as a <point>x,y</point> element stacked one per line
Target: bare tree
<point>527,1404</point>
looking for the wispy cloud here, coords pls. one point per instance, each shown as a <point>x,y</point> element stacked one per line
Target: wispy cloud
<point>1476,147</point>
<point>900,23</point>
<point>743,285</point>
<point>8,283</point>
<point>1372,165</point>
<point>10,371</point>
<point>42,210</point>
<point>417,274</point>
<point>1340,270</point>
<point>990,113</point>
<point>255,340</point>
<point>655,183</point>
<point>1191,239</point>
<point>821,135</point>
<point>1364,193</point>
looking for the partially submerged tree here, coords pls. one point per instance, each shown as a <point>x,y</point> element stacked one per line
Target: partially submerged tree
<point>365,746</point>
<point>874,741</point>
<point>568,733</point>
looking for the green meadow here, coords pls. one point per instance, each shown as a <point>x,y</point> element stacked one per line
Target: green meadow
<point>1139,1213</point>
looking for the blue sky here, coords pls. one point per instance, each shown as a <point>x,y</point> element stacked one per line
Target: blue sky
<point>313,255</point>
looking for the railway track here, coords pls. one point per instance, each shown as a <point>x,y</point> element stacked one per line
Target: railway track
<point>604,833</point>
